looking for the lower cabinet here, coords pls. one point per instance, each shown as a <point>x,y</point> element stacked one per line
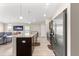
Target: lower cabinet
<point>24,46</point>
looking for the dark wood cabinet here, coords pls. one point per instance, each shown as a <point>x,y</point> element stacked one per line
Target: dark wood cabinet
<point>24,46</point>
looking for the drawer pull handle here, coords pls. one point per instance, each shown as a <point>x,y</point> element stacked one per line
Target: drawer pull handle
<point>23,41</point>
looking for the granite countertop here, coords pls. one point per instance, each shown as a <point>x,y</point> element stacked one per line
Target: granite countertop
<point>26,35</point>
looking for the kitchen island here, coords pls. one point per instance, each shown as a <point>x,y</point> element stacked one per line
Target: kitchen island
<point>24,45</point>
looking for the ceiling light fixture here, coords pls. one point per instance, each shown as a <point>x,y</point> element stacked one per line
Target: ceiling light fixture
<point>44,14</point>
<point>47,4</point>
<point>21,17</point>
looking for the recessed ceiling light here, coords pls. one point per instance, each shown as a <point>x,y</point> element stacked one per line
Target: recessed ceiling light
<point>47,4</point>
<point>44,14</point>
<point>20,17</point>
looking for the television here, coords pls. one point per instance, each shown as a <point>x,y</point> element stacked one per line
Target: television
<point>18,28</point>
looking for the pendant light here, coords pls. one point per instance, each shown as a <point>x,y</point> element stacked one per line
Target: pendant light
<point>20,17</point>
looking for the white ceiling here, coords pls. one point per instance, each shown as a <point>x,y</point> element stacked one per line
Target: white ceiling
<point>31,12</point>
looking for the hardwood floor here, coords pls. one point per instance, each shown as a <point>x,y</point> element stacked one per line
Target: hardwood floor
<point>40,50</point>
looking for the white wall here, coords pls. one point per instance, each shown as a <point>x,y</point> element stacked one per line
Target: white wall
<point>36,27</point>
<point>60,8</point>
<point>47,24</point>
<point>75,29</point>
<point>26,28</point>
<point>43,30</point>
<point>40,28</point>
<point>1,27</point>
<point>9,27</point>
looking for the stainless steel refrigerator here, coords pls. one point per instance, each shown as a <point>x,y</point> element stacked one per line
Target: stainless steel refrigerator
<point>60,34</point>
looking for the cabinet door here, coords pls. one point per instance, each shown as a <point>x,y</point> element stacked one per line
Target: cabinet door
<point>23,47</point>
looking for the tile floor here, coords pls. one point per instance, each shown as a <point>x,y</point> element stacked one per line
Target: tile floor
<point>6,49</point>
<point>41,50</point>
